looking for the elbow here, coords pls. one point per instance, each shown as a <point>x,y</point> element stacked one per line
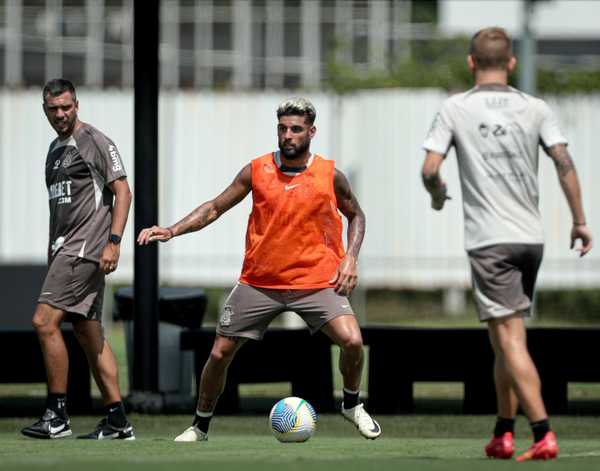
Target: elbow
<point>362,217</point>
<point>213,213</point>
<point>357,219</point>
<point>126,197</point>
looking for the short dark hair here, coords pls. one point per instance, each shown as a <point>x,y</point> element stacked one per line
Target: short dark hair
<point>298,107</point>
<point>58,86</point>
<point>491,48</point>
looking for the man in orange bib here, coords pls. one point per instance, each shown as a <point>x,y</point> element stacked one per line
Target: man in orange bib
<point>294,260</point>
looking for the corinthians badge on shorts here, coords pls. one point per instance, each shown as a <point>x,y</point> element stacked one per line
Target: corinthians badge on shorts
<point>226,316</point>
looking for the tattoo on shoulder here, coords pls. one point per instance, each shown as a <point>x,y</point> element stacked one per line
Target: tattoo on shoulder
<point>562,160</point>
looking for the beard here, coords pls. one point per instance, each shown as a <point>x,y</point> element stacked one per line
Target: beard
<point>65,127</point>
<point>294,152</point>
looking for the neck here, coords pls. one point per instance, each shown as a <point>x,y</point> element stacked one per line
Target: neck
<point>300,162</point>
<point>483,77</point>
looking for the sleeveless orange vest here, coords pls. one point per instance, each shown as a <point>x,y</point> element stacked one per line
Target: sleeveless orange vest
<point>294,235</point>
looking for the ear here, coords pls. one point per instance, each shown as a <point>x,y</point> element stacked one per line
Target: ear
<point>512,64</point>
<point>471,63</point>
<point>312,131</point>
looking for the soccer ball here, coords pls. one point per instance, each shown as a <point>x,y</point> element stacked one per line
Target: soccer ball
<point>293,420</point>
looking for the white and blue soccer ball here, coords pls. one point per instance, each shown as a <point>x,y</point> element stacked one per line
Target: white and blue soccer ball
<point>292,419</point>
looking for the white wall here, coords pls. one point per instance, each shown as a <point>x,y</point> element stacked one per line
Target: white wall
<point>552,18</point>
<point>206,138</point>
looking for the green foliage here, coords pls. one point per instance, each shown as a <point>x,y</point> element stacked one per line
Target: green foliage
<point>557,81</point>
<point>442,64</point>
<point>424,11</point>
<point>574,305</point>
<point>426,308</point>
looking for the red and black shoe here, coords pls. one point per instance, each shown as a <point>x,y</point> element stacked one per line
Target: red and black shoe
<point>501,448</point>
<point>545,449</point>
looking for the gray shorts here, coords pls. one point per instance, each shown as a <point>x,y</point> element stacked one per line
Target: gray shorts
<point>74,285</point>
<point>504,278</point>
<point>249,310</point>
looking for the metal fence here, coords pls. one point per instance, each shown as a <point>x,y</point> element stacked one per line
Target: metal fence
<point>233,44</point>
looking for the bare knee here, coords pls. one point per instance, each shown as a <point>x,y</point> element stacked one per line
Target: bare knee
<point>508,342</point>
<point>352,343</point>
<point>221,356</point>
<point>46,321</point>
<point>508,335</point>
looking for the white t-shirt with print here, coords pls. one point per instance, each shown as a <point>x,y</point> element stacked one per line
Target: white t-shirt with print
<point>496,131</point>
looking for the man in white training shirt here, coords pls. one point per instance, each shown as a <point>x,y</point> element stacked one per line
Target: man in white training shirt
<point>496,131</point>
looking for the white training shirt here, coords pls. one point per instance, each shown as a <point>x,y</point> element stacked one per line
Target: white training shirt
<point>496,131</point>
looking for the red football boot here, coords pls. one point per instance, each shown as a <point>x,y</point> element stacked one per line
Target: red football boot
<point>501,448</point>
<point>545,449</point>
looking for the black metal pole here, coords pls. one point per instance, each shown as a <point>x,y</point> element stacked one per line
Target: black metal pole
<point>145,329</point>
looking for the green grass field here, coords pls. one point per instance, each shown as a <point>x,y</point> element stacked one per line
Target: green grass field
<point>417,443</point>
<point>412,442</point>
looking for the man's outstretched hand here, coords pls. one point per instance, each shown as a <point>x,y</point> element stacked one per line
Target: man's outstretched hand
<point>154,234</point>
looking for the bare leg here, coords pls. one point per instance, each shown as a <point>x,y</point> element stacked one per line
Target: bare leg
<point>54,423</point>
<point>506,397</point>
<point>212,383</point>
<point>46,322</point>
<point>214,374</point>
<point>100,358</point>
<point>345,332</point>
<point>509,341</point>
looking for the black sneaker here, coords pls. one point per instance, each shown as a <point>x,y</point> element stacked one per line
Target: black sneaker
<point>106,431</point>
<point>49,426</point>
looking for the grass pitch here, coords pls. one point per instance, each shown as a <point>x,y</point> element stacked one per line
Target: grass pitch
<point>244,443</point>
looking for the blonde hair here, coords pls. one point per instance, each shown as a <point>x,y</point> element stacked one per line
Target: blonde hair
<point>297,106</point>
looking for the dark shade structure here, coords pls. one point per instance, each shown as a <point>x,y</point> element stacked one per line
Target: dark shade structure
<point>146,83</point>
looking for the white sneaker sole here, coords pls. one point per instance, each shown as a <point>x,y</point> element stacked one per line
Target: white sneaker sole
<point>190,436</point>
<point>368,437</point>
<point>63,434</point>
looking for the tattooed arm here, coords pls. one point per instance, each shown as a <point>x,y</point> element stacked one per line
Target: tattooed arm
<point>346,275</point>
<point>204,214</point>
<point>569,182</point>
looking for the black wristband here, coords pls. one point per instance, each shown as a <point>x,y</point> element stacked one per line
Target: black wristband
<point>115,239</point>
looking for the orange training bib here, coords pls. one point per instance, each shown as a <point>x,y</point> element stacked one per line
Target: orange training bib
<point>294,235</point>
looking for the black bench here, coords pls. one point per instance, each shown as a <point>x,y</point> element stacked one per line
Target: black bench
<point>19,347</point>
<point>27,366</point>
<point>399,357</point>
<point>283,355</point>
